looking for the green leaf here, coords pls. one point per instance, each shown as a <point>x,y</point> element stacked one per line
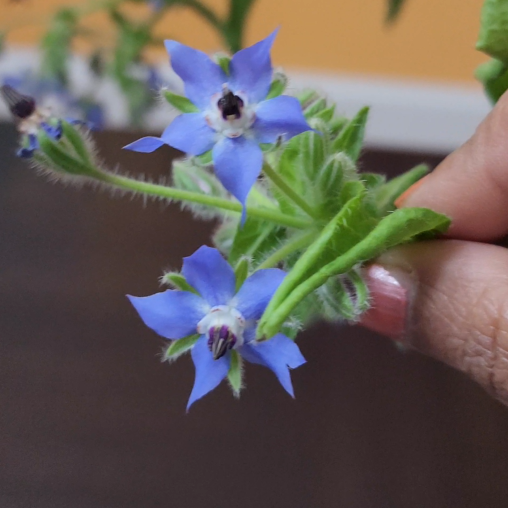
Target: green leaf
<point>494,76</point>
<point>224,62</point>
<point>277,86</point>
<point>235,374</point>
<point>190,176</point>
<point>177,281</point>
<point>178,347</point>
<point>386,195</point>
<point>318,253</point>
<point>361,292</point>
<point>372,180</point>
<point>179,102</point>
<point>306,97</point>
<point>493,38</point>
<point>314,108</point>
<point>241,271</point>
<point>344,297</point>
<point>224,235</point>
<point>299,166</point>
<point>336,302</point>
<point>394,9</point>
<point>350,139</point>
<point>326,114</point>
<point>2,42</point>
<point>254,239</point>
<point>336,125</point>
<point>78,143</point>
<point>402,226</point>
<point>61,160</point>
<point>338,182</point>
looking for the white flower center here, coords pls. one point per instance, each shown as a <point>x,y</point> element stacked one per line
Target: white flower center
<point>230,113</point>
<point>224,327</point>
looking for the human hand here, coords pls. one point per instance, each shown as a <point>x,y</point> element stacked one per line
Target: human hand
<point>449,298</point>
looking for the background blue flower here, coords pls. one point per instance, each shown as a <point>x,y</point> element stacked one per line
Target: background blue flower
<point>224,318</point>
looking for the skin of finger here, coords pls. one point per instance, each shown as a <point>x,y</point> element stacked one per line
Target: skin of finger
<point>458,307</point>
<point>471,185</point>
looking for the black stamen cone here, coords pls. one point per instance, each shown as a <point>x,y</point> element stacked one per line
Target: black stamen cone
<point>21,106</point>
<point>230,105</point>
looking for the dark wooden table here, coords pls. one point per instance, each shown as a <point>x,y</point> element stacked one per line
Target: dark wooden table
<point>91,419</point>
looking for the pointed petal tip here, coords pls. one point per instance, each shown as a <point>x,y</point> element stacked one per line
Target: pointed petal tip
<point>145,145</point>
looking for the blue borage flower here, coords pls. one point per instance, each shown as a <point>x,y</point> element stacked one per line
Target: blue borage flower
<point>224,319</point>
<point>234,116</point>
<point>50,92</point>
<point>30,120</point>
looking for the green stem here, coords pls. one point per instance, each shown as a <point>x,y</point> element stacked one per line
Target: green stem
<point>202,199</point>
<point>288,191</point>
<point>300,242</point>
<point>206,13</point>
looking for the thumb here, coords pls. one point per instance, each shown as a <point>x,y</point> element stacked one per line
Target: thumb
<point>449,300</point>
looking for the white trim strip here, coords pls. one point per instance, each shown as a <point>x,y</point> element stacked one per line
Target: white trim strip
<point>405,115</point>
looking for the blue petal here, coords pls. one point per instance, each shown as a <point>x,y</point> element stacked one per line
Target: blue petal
<point>201,76</point>
<point>53,131</point>
<point>257,291</point>
<point>278,353</point>
<point>238,163</point>
<point>211,275</point>
<point>27,151</point>
<point>145,145</point>
<point>171,314</point>
<point>190,134</point>
<point>251,70</point>
<point>209,372</point>
<point>281,116</point>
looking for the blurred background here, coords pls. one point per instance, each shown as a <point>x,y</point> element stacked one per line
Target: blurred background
<point>91,418</point>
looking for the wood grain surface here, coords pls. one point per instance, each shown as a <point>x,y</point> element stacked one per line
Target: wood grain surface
<point>91,419</point>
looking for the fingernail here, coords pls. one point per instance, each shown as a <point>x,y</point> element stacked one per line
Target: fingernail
<point>402,199</point>
<point>390,288</point>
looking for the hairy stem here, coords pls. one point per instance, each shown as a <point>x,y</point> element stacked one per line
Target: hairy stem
<point>288,191</point>
<point>300,242</point>
<point>202,199</point>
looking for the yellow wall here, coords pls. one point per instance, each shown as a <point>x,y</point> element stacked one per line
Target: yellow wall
<point>434,39</point>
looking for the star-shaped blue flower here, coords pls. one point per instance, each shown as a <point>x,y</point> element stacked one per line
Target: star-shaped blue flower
<point>224,318</point>
<point>234,116</point>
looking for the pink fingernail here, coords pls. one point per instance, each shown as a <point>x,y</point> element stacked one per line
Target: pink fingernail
<point>389,289</point>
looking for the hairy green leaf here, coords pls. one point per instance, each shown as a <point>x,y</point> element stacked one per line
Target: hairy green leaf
<point>178,347</point>
<point>235,373</point>
<point>254,239</point>
<point>386,194</point>
<point>401,226</point>
<point>277,86</point>
<point>75,138</point>
<point>350,139</point>
<point>179,102</point>
<point>177,280</point>
<point>241,271</point>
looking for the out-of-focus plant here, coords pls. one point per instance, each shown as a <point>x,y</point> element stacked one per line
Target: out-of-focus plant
<point>492,40</point>
<point>122,57</point>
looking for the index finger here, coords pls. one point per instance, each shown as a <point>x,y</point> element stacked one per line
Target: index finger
<point>471,184</point>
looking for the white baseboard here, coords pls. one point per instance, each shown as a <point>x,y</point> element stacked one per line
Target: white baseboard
<point>405,115</point>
